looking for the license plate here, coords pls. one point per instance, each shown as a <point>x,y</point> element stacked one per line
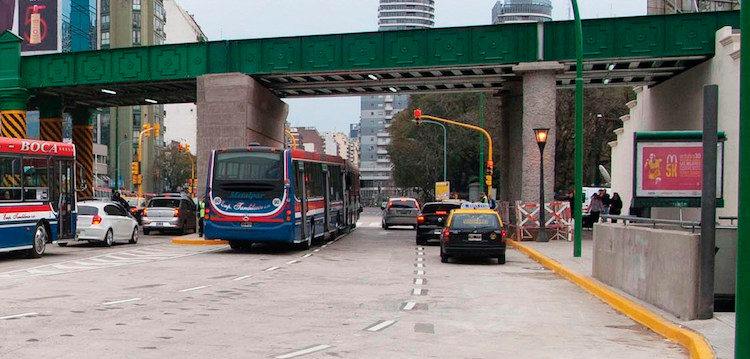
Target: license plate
<point>246,224</point>
<point>162,224</point>
<point>475,237</point>
<point>437,231</point>
<point>404,212</point>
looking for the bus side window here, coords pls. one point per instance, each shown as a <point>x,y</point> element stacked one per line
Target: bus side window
<point>35,179</point>
<point>10,183</point>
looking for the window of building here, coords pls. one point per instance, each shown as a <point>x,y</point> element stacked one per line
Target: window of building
<point>136,36</point>
<point>105,20</point>
<point>137,5</point>
<point>105,38</point>
<point>136,19</point>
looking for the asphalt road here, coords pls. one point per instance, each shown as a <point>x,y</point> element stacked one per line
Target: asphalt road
<point>370,294</point>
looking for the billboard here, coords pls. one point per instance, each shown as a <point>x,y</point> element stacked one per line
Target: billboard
<point>668,169</point>
<point>442,191</point>
<point>38,23</point>
<point>7,14</point>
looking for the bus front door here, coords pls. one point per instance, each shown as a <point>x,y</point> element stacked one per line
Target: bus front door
<point>64,174</point>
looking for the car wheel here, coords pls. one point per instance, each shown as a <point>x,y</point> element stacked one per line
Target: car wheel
<point>39,242</point>
<point>305,245</point>
<point>134,236</point>
<point>146,231</point>
<point>501,259</point>
<point>109,238</point>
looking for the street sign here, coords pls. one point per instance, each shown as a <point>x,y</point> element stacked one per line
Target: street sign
<point>442,191</point>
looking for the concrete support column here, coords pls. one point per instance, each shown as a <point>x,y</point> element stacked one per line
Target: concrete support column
<point>538,100</point>
<point>13,112</point>
<point>83,139</point>
<point>234,110</point>
<point>50,119</point>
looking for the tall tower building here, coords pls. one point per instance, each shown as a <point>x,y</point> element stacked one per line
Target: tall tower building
<point>377,111</point>
<point>522,11</point>
<point>126,23</point>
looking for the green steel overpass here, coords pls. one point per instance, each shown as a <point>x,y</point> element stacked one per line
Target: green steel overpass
<point>628,51</point>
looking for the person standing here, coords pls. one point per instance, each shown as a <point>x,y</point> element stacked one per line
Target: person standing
<point>595,208</point>
<point>615,207</point>
<point>483,198</point>
<point>605,202</point>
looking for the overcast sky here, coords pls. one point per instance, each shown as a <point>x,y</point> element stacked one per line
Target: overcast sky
<point>245,19</point>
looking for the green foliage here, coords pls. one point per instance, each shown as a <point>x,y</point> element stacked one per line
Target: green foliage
<point>174,167</point>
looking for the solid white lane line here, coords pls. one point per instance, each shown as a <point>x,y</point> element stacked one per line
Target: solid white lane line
<point>380,326</point>
<point>417,291</point>
<point>242,277</point>
<point>30,314</point>
<point>409,305</point>
<point>307,255</point>
<point>293,261</point>
<point>193,288</point>
<point>121,301</point>
<point>310,350</point>
<point>270,269</point>
<point>419,281</point>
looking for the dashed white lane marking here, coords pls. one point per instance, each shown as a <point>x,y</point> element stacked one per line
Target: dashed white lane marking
<point>271,269</point>
<point>307,255</point>
<point>22,315</point>
<point>409,306</point>
<point>419,281</point>
<point>420,259</point>
<point>109,260</point>
<point>193,288</point>
<point>121,301</point>
<point>420,253</point>
<point>380,325</point>
<point>317,250</point>
<point>293,261</point>
<point>417,291</point>
<point>306,351</point>
<point>242,277</point>
<point>420,248</point>
<point>420,272</point>
<point>420,265</point>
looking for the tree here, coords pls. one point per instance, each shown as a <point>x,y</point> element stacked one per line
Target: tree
<point>174,167</point>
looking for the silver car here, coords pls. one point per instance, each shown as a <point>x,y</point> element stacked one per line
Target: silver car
<point>400,212</point>
<point>170,213</point>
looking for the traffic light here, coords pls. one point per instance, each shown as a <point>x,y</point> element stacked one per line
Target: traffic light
<point>147,128</point>
<point>187,148</point>
<point>137,179</point>
<point>134,168</point>
<point>157,130</point>
<point>418,116</point>
<point>180,147</point>
<point>490,168</point>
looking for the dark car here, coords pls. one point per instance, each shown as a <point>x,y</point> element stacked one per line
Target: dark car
<point>432,219</point>
<point>473,233</point>
<point>170,213</point>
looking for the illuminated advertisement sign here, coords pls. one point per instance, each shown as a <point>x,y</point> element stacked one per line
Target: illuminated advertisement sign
<point>38,25</point>
<point>672,168</point>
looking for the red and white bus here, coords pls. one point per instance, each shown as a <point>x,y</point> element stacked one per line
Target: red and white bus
<point>37,194</point>
<point>262,194</point>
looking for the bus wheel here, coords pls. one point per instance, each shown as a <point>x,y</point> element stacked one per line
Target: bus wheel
<point>240,246</point>
<point>39,242</point>
<point>306,244</point>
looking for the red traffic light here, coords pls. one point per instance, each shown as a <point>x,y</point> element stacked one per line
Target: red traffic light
<point>417,113</point>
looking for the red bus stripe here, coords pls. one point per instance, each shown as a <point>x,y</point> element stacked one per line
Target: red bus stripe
<point>19,209</point>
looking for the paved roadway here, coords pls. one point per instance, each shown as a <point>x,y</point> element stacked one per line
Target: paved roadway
<point>370,294</point>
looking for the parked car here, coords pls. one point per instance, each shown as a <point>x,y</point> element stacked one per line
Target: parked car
<point>170,213</point>
<point>400,212</point>
<point>432,219</point>
<point>106,222</point>
<point>473,233</point>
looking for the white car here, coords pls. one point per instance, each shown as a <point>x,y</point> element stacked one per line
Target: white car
<point>105,222</point>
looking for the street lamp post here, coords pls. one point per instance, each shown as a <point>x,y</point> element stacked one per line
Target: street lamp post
<point>445,147</point>
<point>541,140</point>
<point>578,214</point>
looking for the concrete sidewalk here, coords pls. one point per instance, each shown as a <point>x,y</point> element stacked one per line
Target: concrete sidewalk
<point>719,331</point>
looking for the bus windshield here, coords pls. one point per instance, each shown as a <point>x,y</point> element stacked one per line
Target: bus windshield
<point>248,175</point>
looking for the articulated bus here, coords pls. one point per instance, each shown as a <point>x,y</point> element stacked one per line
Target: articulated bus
<point>262,194</point>
<point>37,194</point>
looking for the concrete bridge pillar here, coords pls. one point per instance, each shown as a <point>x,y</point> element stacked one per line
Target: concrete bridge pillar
<point>13,97</point>
<point>528,105</point>
<point>83,139</point>
<point>234,110</point>
<point>50,119</point>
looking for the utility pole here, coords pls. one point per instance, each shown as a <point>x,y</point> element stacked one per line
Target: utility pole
<point>742,301</point>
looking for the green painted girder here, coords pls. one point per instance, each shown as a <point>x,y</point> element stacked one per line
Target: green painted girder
<point>633,37</point>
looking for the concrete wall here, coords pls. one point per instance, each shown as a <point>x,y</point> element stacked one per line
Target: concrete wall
<point>677,104</point>
<point>656,265</point>
<point>233,111</point>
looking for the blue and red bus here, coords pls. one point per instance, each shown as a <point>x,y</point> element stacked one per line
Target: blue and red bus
<point>263,194</point>
<point>37,194</point>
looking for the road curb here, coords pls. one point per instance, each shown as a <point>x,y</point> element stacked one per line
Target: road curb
<point>695,343</point>
<point>198,242</point>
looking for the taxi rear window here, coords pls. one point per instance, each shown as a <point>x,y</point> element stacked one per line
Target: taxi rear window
<point>474,221</point>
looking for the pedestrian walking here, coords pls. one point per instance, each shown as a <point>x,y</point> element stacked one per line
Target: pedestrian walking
<point>595,209</point>
<point>200,219</point>
<point>615,207</point>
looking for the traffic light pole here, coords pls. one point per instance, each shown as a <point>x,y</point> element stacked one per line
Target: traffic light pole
<point>742,304</point>
<point>138,177</point>
<point>418,116</point>
<point>578,196</point>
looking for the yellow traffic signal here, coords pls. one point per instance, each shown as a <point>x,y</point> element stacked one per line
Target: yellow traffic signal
<point>146,127</point>
<point>137,179</point>
<point>187,148</point>
<point>134,168</point>
<point>157,129</point>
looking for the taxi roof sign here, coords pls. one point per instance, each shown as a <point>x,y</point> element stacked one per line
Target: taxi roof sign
<point>475,206</point>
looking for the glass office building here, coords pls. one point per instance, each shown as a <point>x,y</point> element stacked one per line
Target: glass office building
<point>79,25</point>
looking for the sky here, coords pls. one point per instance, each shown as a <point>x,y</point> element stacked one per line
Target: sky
<point>247,19</point>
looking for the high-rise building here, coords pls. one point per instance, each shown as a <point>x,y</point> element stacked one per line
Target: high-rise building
<point>79,30</point>
<point>656,7</point>
<point>522,11</point>
<point>126,23</point>
<point>181,119</point>
<point>377,111</point>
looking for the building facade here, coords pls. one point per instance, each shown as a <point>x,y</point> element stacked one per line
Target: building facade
<point>510,11</point>
<point>308,139</point>
<point>377,111</point>
<point>126,23</point>
<point>657,7</point>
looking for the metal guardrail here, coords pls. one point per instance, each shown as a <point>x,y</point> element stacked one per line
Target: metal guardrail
<point>654,222</point>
